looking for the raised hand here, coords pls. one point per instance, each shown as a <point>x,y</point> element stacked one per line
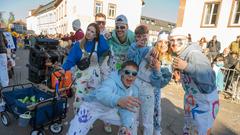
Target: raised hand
<point>129,103</point>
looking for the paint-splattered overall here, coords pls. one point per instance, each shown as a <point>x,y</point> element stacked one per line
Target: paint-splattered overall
<point>86,81</point>
<point>146,96</point>
<point>200,110</point>
<point>89,112</point>
<point>157,102</point>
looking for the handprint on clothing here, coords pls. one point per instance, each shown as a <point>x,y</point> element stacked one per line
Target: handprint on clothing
<point>84,116</point>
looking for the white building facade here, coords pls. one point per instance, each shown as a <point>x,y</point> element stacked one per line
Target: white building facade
<point>57,16</point>
<point>205,18</point>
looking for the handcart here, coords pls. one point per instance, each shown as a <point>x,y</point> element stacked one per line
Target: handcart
<point>48,111</point>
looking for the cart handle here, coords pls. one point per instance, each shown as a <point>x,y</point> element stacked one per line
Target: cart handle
<point>13,87</point>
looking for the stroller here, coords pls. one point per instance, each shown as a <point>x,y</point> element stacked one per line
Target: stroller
<point>47,111</point>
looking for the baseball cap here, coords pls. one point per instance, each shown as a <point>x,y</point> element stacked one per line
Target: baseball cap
<point>121,18</point>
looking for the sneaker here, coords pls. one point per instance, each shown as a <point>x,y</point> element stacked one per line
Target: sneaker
<point>123,131</point>
<point>108,128</point>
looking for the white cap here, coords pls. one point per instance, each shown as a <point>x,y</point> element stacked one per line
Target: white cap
<point>179,31</point>
<point>76,24</point>
<point>163,35</point>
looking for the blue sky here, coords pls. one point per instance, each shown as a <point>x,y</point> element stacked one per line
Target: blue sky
<point>161,9</point>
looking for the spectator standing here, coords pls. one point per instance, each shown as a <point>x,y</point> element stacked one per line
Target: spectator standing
<point>235,46</point>
<point>76,25</point>
<point>4,80</point>
<point>203,44</point>
<point>218,64</point>
<point>214,47</point>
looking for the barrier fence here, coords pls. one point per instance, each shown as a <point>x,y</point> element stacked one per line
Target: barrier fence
<point>232,83</point>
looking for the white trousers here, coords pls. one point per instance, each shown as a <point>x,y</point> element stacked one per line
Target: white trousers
<point>4,80</point>
<point>89,112</point>
<point>146,96</point>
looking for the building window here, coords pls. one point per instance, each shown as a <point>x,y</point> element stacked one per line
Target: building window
<point>59,13</point>
<point>98,7</point>
<point>235,14</point>
<point>111,11</point>
<point>65,8</point>
<point>210,14</point>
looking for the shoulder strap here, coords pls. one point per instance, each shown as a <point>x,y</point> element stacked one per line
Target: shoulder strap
<point>96,43</point>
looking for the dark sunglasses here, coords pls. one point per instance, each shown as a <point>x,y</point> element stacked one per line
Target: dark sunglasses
<point>101,22</point>
<point>120,27</point>
<point>130,72</point>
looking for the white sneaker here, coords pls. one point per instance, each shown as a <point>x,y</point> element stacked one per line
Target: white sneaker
<point>108,128</point>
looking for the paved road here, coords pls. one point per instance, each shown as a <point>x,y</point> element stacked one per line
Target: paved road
<point>227,123</point>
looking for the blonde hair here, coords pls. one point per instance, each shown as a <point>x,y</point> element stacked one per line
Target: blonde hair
<point>158,48</point>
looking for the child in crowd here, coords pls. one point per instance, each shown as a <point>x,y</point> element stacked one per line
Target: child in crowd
<point>164,56</point>
<point>218,63</point>
<point>201,101</point>
<point>150,76</point>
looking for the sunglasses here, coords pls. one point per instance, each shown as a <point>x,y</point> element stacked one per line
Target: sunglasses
<point>120,27</point>
<point>130,72</point>
<point>101,22</point>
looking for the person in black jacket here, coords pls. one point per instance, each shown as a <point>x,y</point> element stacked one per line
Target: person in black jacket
<point>214,47</point>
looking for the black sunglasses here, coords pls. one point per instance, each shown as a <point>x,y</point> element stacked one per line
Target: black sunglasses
<point>120,27</point>
<point>129,72</point>
<point>101,22</point>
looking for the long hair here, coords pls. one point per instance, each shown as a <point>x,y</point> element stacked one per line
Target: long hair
<point>161,55</point>
<point>84,40</point>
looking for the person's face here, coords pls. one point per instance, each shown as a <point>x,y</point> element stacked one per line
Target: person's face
<point>177,43</point>
<point>226,51</point>
<point>90,33</point>
<point>121,29</point>
<point>214,38</point>
<point>74,28</point>
<point>129,74</point>
<point>162,45</point>
<point>238,39</point>
<point>101,22</point>
<point>141,39</point>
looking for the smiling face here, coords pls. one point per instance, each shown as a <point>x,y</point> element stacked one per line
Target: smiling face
<point>121,29</point>
<point>178,43</point>
<point>128,75</point>
<point>90,33</point>
<point>162,46</point>
<point>101,22</point>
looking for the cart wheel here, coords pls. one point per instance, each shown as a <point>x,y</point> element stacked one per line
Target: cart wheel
<point>56,128</point>
<point>37,132</point>
<point>5,118</point>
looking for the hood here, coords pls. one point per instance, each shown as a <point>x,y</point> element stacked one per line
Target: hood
<point>190,47</point>
<point>117,78</point>
<point>128,35</point>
